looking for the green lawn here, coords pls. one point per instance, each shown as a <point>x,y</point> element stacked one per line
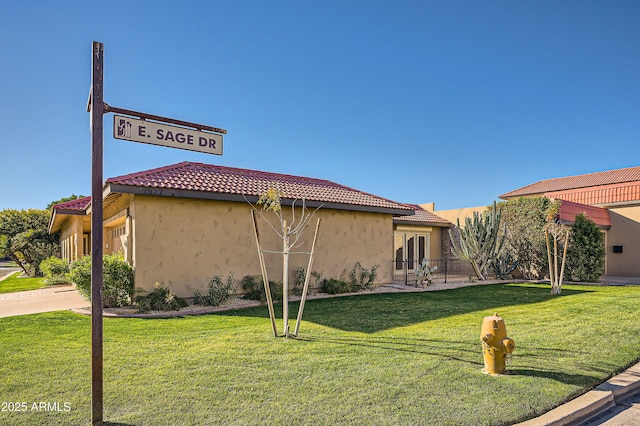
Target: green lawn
<point>371,359</point>
<point>15,283</point>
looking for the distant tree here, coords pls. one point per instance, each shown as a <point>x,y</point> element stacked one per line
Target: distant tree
<point>525,220</point>
<point>585,257</point>
<point>25,239</point>
<point>63,200</point>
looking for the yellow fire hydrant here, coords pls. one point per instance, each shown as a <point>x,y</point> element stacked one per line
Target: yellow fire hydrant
<point>495,345</point>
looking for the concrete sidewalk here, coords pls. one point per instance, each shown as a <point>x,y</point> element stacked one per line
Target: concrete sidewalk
<point>46,299</point>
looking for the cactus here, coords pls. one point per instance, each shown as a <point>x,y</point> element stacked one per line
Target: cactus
<point>480,240</point>
<point>425,273</point>
<point>504,265</point>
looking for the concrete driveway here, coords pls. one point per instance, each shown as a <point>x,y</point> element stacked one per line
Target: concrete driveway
<point>58,298</point>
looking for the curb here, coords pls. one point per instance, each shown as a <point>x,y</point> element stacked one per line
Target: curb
<point>603,397</point>
<point>624,384</point>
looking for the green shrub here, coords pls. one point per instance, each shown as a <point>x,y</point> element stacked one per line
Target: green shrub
<point>80,275</point>
<point>253,288</point>
<point>361,277</point>
<point>298,283</point>
<point>160,299</point>
<point>586,252</point>
<point>217,293</point>
<point>118,280</point>
<point>333,286</point>
<point>55,270</point>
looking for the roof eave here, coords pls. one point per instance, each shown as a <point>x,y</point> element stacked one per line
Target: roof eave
<point>59,216</point>
<point>570,223</point>
<point>419,223</point>
<point>220,196</point>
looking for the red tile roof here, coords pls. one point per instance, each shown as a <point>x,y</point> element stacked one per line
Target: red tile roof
<point>421,217</point>
<point>609,187</point>
<point>193,179</point>
<point>59,212</point>
<point>569,211</point>
<point>601,195</point>
<point>79,204</point>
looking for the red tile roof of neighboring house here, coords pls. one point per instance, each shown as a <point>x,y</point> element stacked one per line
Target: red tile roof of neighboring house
<point>609,187</point>
<point>60,211</point>
<point>200,180</point>
<point>79,204</point>
<point>421,217</point>
<point>601,195</point>
<point>569,211</point>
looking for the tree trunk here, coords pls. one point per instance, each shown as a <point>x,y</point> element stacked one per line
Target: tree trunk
<point>285,282</point>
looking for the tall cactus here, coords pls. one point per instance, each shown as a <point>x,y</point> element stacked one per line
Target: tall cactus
<point>480,240</point>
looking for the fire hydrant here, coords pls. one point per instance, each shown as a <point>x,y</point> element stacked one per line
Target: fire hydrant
<point>495,345</point>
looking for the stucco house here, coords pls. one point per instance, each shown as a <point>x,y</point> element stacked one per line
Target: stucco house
<point>184,223</point>
<point>611,199</point>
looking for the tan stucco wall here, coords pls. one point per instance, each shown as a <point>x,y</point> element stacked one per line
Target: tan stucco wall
<point>436,245</point>
<point>625,232</point>
<point>71,238</point>
<point>183,242</point>
<point>117,215</point>
<point>461,213</point>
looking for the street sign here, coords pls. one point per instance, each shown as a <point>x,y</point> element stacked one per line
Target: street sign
<point>138,130</point>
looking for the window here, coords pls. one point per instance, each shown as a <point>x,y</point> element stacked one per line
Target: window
<point>116,232</point>
<point>410,252</point>
<point>422,248</point>
<point>86,244</point>
<point>398,246</point>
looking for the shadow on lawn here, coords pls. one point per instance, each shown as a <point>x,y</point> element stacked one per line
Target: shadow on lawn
<point>559,376</point>
<point>447,350</point>
<point>374,312</point>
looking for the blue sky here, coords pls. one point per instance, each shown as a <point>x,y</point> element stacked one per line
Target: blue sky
<point>455,102</point>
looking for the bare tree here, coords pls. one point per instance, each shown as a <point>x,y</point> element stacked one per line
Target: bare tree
<point>290,233</point>
<point>559,234</point>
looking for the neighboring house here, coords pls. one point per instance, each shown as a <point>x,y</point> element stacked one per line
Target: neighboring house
<point>184,223</point>
<point>73,223</point>
<point>611,199</point>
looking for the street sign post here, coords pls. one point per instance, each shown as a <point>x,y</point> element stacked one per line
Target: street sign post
<point>96,106</point>
<point>189,136</point>
<point>138,130</point>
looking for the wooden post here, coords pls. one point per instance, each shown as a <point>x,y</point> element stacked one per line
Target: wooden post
<point>285,280</point>
<point>306,280</point>
<point>97,112</point>
<point>265,279</point>
<point>555,262</point>
<point>564,257</point>
<point>546,233</point>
